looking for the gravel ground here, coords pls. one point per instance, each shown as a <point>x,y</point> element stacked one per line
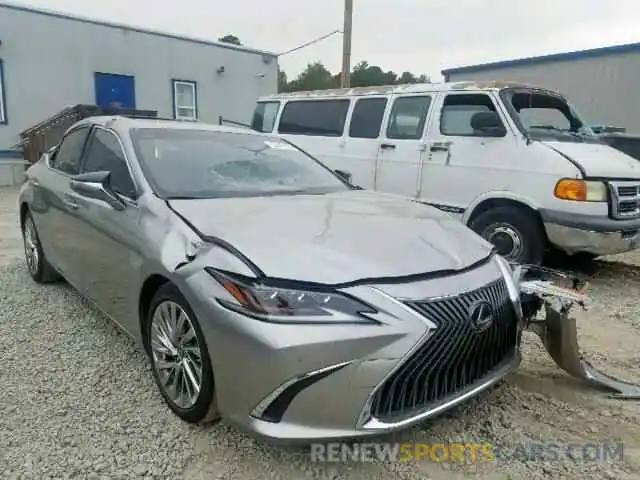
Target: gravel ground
<point>78,400</point>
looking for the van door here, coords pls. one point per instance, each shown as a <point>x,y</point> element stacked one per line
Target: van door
<point>401,147</point>
<point>463,162</point>
<point>361,147</point>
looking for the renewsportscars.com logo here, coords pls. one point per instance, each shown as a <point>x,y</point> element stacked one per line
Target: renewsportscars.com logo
<point>467,452</point>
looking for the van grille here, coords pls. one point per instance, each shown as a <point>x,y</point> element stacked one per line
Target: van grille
<point>455,357</point>
<point>625,201</point>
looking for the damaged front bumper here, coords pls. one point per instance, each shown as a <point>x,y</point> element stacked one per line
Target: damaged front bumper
<point>547,298</point>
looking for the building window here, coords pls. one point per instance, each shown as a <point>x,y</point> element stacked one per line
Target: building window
<point>185,100</point>
<point>3,106</point>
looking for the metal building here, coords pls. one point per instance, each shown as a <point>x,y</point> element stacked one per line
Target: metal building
<point>601,83</point>
<point>50,61</point>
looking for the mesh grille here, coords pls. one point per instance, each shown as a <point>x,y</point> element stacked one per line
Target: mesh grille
<point>454,357</point>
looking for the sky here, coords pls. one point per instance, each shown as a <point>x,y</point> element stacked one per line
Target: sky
<point>421,36</point>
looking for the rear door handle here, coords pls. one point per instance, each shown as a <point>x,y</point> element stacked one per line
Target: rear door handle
<point>387,146</point>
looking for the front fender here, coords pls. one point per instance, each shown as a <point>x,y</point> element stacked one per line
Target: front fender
<point>497,195</point>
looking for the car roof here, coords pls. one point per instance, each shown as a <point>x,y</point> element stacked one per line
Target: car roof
<point>486,85</point>
<point>126,123</point>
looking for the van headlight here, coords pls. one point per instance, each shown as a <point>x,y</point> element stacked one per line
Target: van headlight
<point>580,190</point>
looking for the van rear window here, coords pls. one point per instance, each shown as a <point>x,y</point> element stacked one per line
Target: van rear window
<point>324,118</point>
<point>264,116</point>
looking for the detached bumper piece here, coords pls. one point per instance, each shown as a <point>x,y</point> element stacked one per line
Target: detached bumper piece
<point>548,297</point>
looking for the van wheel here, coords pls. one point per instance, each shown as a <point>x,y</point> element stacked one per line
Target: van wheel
<point>516,233</point>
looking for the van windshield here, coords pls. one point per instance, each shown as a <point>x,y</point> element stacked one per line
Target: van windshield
<point>544,115</point>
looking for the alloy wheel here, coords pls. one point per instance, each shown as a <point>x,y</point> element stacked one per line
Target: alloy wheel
<point>176,354</point>
<point>31,247</point>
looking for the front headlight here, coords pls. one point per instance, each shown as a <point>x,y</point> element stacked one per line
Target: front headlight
<point>287,305</point>
<point>580,190</point>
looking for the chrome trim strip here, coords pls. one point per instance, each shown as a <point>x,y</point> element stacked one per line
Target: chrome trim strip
<point>430,325</point>
<point>262,406</point>
<point>498,374</point>
<point>514,292</point>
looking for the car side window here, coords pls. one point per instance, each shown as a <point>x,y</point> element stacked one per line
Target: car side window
<point>68,155</point>
<point>458,111</point>
<point>408,117</point>
<point>104,153</point>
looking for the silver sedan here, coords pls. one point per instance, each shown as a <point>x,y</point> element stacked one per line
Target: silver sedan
<point>265,288</point>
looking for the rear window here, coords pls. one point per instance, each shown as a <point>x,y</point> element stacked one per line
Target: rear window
<point>264,116</point>
<point>325,118</point>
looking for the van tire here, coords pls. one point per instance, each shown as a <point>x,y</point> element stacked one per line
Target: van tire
<point>516,232</point>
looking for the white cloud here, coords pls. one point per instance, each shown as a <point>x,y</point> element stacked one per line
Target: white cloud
<point>414,35</point>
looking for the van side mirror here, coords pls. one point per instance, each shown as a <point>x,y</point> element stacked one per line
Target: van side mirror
<point>488,124</point>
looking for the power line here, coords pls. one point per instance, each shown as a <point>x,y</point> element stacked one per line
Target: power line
<point>310,43</point>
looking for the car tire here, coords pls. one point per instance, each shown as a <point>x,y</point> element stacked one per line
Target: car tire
<point>39,268</point>
<point>185,362</point>
<point>516,233</point>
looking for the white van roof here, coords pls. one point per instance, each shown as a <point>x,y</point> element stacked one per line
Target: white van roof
<point>406,88</point>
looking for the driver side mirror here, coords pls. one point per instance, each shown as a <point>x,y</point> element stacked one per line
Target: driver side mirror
<point>488,124</point>
<point>96,185</point>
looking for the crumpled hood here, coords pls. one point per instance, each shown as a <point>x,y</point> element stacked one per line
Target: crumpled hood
<point>598,160</point>
<point>337,238</point>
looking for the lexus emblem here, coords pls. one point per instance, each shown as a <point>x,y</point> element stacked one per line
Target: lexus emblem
<point>481,315</point>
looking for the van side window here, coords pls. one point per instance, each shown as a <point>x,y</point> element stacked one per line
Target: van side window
<point>366,119</point>
<point>264,116</point>
<point>325,118</point>
<point>458,110</point>
<point>408,117</point>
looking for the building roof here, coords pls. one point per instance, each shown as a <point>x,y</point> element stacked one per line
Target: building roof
<point>566,56</point>
<point>67,16</point>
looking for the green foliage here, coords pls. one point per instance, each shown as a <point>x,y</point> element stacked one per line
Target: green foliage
<point>232,39</point>
<point>317,77</point>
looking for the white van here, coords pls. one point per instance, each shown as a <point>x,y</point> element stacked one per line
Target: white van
<point>514,162</point>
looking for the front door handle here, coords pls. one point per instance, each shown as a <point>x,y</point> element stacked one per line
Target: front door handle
<point>440,147</point>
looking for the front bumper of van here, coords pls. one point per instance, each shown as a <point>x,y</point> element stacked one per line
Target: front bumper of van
<point>598,235</point>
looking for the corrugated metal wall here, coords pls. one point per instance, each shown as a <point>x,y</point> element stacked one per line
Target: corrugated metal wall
<point>49,64</point>
<point>605,90</point>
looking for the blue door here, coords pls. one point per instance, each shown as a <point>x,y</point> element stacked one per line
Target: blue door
<point>113,90</point>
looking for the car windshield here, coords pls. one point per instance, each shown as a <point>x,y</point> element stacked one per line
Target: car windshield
<point>547,116</point>
<point>191,163</point>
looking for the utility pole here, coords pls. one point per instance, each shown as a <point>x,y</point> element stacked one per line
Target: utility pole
<point>345,78</point>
